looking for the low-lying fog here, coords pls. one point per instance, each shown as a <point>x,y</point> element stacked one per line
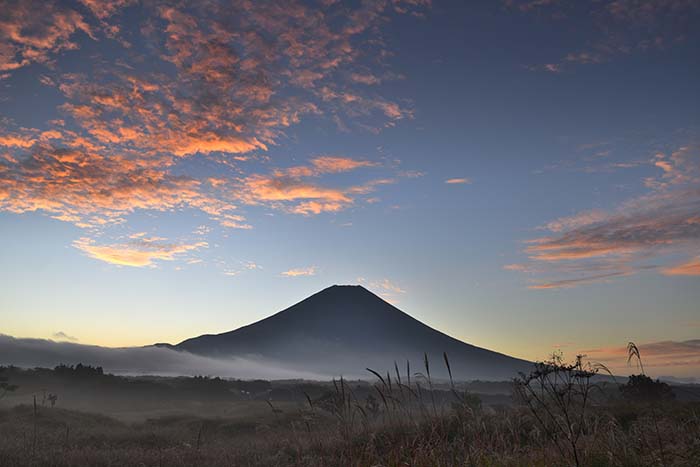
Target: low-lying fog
<point>31,353</point>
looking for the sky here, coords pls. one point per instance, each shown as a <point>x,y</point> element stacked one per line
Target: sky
<point>521,175</point>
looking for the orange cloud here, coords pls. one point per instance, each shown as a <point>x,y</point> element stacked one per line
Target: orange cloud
<point>310,271</point>
<point>103,9</point>
<point>89,189</point>
<point>20,141</point>
<point>332,164</point>
<point>212,143</point>
<point>260,188</point>
<point>239,74</point>
<point>316,207</point>
<point>691,268</point>
<point>137,253</point>
<point>28,37</point>
<point>325,165</point>
<point>286,189</point>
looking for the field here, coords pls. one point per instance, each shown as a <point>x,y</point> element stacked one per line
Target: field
<point>394,420</point>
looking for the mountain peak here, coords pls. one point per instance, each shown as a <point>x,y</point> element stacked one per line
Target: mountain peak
<point>345,303</point>
<point>345,287</point>
<point>345,328</point>
<point>345,290</point>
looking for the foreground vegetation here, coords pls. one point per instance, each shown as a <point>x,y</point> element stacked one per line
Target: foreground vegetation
<point>561,414</point>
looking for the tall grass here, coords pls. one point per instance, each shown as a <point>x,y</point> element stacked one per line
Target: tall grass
<point>562,415</point>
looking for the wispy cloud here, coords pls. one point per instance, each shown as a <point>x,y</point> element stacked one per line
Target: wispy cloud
<point>617,28</point>
<point>62,336</point>
<point>516,267</point>
<point>135,253</point>
<point>326,165</point>
<point>386,288</point>
<point>244,267</point>
<point>598,245</point>
<point>566,283</point>
<point>690,268</point>
<point>251,265</point>
<point>457,181</point>
<point>297,272</point>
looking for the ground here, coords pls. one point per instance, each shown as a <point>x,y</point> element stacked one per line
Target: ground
<point>107,420</point>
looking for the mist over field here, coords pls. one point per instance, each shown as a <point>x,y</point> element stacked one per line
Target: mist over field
<point>31,353</point>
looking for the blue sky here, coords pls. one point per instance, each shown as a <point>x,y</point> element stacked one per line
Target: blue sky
<point>168,171</point>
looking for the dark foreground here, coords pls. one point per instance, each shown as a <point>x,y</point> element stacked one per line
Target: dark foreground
<point>393,422</point>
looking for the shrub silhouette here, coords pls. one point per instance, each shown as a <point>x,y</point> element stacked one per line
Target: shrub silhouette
<point>641,388</point>
<point>558,396</point>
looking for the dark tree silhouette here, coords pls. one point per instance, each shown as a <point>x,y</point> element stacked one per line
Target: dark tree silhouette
<point>79,371</point>
<point>5,385</point>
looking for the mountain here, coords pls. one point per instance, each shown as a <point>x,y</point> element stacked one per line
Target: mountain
<point>344,329</point>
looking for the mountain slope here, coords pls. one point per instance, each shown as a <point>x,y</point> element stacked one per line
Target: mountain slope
<point>343,330</point>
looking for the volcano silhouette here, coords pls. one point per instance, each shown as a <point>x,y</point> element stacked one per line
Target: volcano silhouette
<point>344,329</point>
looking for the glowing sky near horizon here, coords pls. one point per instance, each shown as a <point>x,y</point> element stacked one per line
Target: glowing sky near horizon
<point>522,175</point>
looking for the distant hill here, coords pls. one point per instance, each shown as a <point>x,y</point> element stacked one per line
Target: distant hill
<point>344,329</point>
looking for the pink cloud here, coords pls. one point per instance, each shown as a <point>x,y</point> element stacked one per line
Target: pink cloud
<point>458,181</point>
<point>656,356</point>
<point>598,245</point>
<point>689,268</point>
